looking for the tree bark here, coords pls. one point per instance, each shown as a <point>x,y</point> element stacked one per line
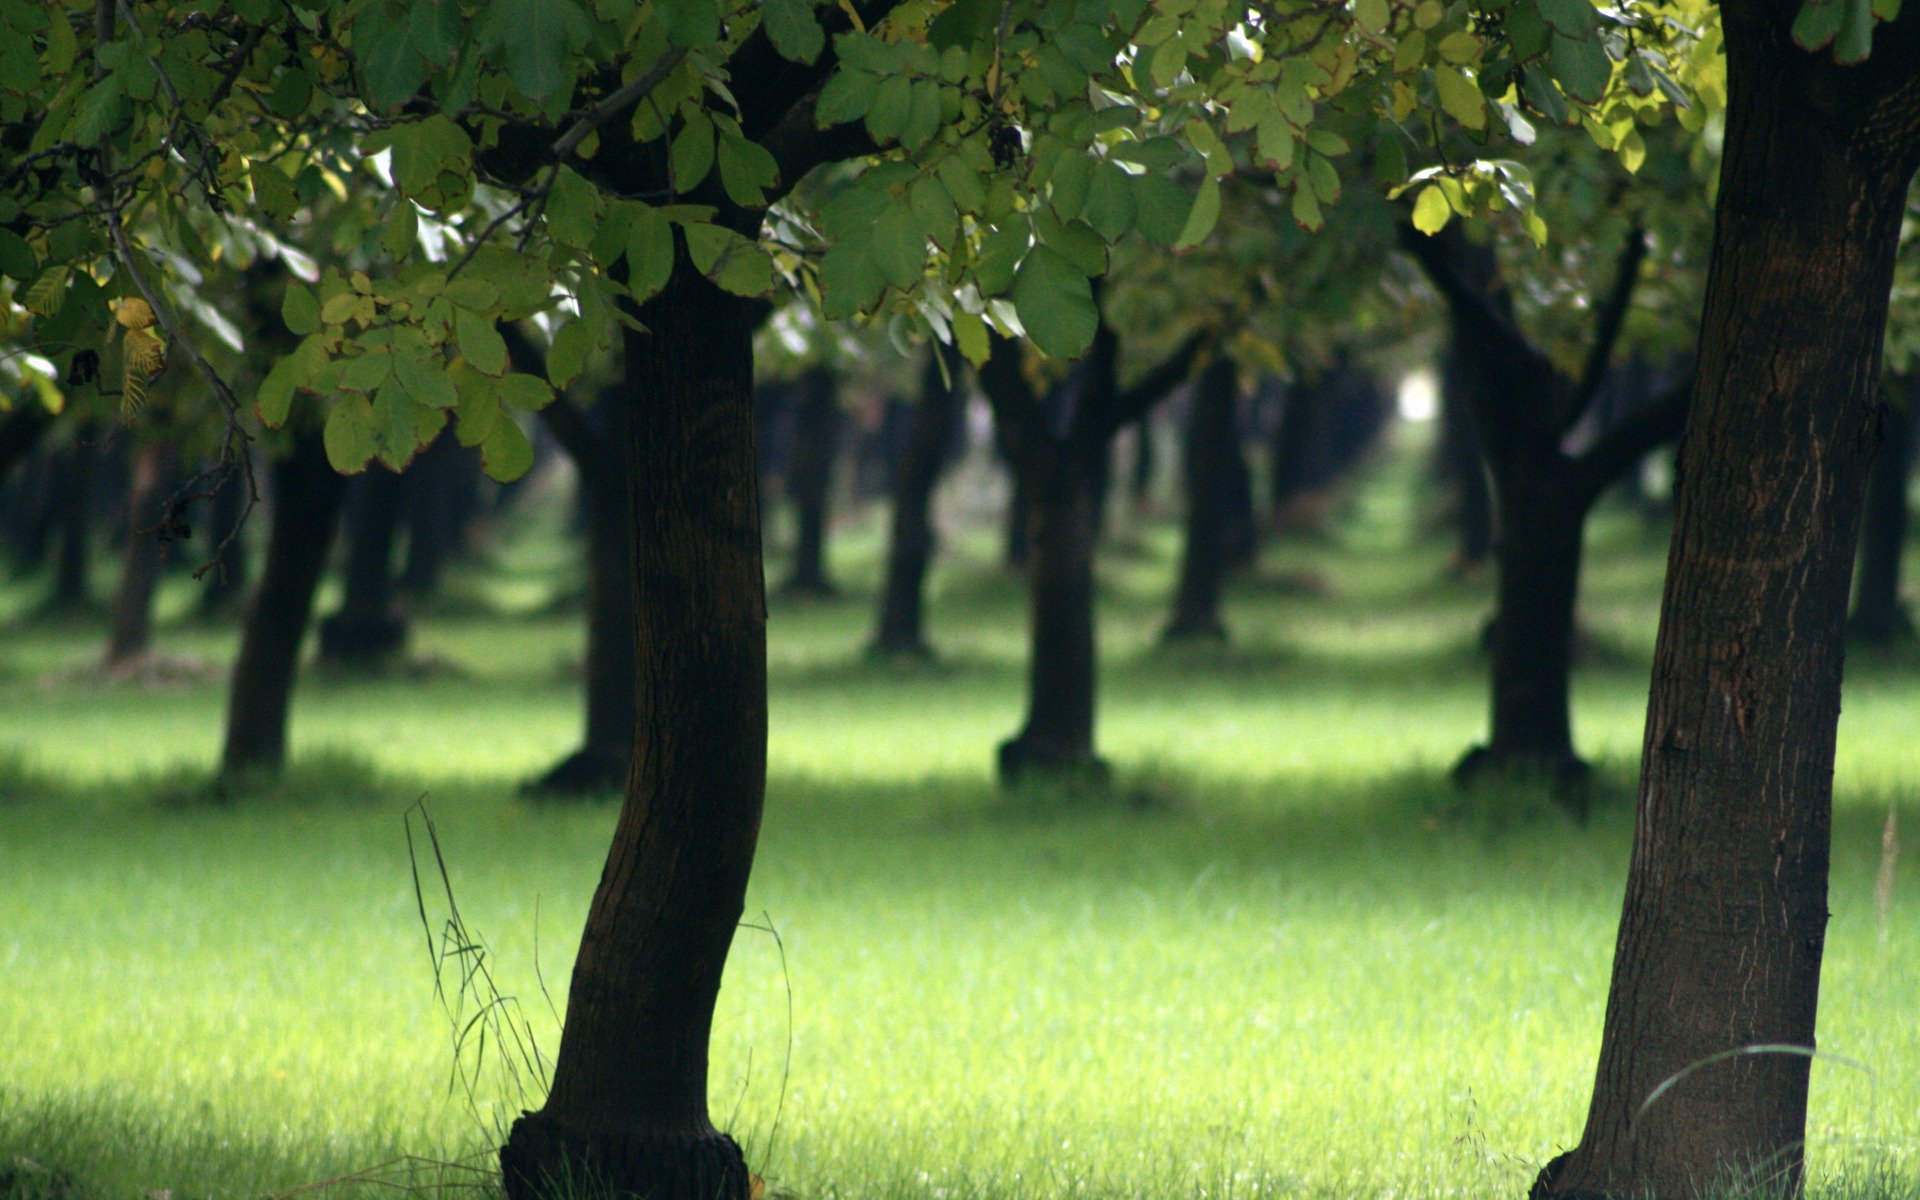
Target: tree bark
<point>1213,449</point>
<point>130,628</point>
<point>1462,467</point>
<point>1879,615</point>
<point>627,1113</point>
<point>306,509</point>
<point>817,425</point>
<point>1723,925</point>
<point>899,631</point>
<point>368,631</point>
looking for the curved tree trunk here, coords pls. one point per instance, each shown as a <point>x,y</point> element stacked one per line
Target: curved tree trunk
<point>368,630</point>
<point>306,508</point>
<point>130,624</point>
<point>1724,920</point>
<point>627,1113</point>
<point>899,631</point>
<point>1213,448</point>
<point>817,424</point>
<point>1879,616</point>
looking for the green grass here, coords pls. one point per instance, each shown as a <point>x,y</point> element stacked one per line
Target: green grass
<point>1288,961</point>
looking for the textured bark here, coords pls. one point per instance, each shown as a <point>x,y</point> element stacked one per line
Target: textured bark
<point>627,1114</point>
<point>1725,912</point>
<point>368,631</point>
<point>130,623</point>
<point>817,423</point>
<point>1879,615</point>
<point>598,449</point>
<point>1212,452</point>
<point>899,631</point>
<point>306,508</point>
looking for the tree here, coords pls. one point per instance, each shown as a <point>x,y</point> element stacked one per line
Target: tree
<point>1212,456</point>
<point>1704,1057</point>
<point>899,629</point>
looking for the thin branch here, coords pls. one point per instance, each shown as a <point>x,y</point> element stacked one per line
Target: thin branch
<point>1132,403</point>
<point>611,105</point>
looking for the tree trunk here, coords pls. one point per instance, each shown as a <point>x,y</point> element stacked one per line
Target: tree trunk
<point>1463,468</point>
<point>605,755</point>
<point>73,491</point>
<point>130,629</point>
<point>368,630</point>
<point>899,631</point>
<point>1718,959</point>
<point>20,431</point>
<point>816,444</point>
<point>627,1114</point>
<point>439,501</point>
<point>1213,446</point>
<point>1879,616</point>
<point>306,508</point>
<point>1058,735</point>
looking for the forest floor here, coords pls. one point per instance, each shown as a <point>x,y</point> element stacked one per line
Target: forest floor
<point>1284,959</point>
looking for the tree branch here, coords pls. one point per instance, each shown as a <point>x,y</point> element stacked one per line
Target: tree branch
<point>1628,440</point>
<point>1132,403</point>
<point>611,105</point>
<point>1607,323</point>
<point>1443,257</point>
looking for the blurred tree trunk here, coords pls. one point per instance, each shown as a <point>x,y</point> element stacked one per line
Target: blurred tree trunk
<point>130,622</point>
<point>900,630</point>
<point>368,631</point>
<point>440,496</point>
<point>1879,615</point>
<point>1723,925</point>
<point>1213,449</point>
<point>1462,468</point>
<point>817,424</point>
<point>73,487</point>
<point>306,509</point>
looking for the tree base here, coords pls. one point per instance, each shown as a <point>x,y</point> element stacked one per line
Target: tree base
<point>1568,776</point>
<point>585,773</point>
<point>1022,761</point>
<point>1543,1188</point>
<point>544,1161</point>
<point>362,640</point>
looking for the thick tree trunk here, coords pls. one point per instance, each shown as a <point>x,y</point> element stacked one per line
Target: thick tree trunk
<point>899,632</point>
<point>599,452</point>
<point>130,627</point>
<point>439,488</point>
<point>817,424</point>
<point>1721,934</point>
<point>1017,542</point>
<point>627,1114</point>
<point>368,630</point>
<point>1213,448</point>
<point>1057,738</point>
<point>1879,615</point>
<point>306,508</point>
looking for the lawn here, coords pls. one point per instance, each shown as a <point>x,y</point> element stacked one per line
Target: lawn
<point>1285,959</point>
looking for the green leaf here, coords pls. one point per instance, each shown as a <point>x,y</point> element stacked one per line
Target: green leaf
<point>1306,208</point>
<point>892,104</point>
<point>505,454</point>
<point>434,28</point>
<point>849,279</point>
<point>899,246</point>
<point>1071,179</point>
<point>537,37</point>
<point>480,342</point>
<point>1324,180</point>
<point>1055,302</point>
<point>1372,15</point>
<point>367,372</point>
<point>1431,210</point>
<point>649,253</point>
<point>933,209</point>
<point>1573,18</point>
<point>691,156</point>
<point>1113,199</point>
<point>970,334</point>
<point>425,378</point>
<point>1538,88</point>
<point>402,230</point>
<point>1160,210</point>
<point>572,343</point>
<point>1582,67</point>
<point>523,391</point>
<point>730,260</point>
<point>102,110</point>
<point>477,408</point>
<point>274,399</point>
<point>1855,42</point>
<point>847,97</point>
<point>573,209</point>
<point>1206,211</point>
<point>16,256</point>
<point>349,434</point>
<point>1000,252</point>
<point>923,114</point>
<point>393,69</point>
<point>746,170</point>
<point>298,309</point>
<point>963,184</point>
<point>963,23</point>
<point>1460,96</point>
<point>691,23</point>
<point>795,31</point>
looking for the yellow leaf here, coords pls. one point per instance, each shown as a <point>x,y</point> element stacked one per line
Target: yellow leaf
<point>133,313</point>
<point>1431,210</point>
<point>756,1187</point>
